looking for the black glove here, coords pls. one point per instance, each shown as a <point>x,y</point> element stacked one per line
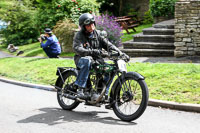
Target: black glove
<point>127,58</point>
<point>96,52</point>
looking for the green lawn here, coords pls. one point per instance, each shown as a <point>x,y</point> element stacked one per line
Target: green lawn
<point>172,82</point>
<point>34,49</point>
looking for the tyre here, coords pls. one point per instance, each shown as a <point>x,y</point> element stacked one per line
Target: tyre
<point>131,99</point>
<point>69,78</point>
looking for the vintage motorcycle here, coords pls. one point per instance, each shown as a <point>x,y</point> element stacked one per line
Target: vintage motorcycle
<point>128,96</point>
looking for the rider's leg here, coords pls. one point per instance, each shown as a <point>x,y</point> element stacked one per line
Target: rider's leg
<point>49,53</point>
<point>84,65</point>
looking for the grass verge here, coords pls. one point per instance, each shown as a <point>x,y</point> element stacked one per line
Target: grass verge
<point>171,82</point>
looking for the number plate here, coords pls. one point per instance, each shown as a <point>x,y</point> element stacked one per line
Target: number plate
<point>122,65</point>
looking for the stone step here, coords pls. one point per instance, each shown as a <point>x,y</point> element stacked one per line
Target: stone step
<point>158,31</point>
<point>147,45</point>
<point>169,24</point>
<point>153,38</point>
<point>164,26</point>
<point>148,52</point>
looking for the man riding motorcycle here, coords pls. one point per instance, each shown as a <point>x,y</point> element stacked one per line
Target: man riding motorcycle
<point>88,44</point>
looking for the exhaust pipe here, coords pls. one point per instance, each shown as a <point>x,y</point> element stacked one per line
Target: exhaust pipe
<point>68,96</point>
<point>71,97</point>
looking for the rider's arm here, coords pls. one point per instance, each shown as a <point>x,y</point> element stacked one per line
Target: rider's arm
<point>47,43</point>
<point>107,45</point>
<point>78,46</point>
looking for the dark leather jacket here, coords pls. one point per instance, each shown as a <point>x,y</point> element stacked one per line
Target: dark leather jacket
<point>83,44</point>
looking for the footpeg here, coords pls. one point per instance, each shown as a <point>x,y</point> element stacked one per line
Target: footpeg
<point>108,106</point>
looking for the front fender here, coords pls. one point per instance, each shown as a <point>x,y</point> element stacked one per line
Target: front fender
<point>135,75</point>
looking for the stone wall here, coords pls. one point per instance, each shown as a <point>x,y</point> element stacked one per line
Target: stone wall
<point>187,28</point>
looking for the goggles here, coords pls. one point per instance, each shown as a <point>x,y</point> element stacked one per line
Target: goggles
<point>89,21</point>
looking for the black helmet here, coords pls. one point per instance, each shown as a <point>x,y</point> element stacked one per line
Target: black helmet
<point>86,19</point>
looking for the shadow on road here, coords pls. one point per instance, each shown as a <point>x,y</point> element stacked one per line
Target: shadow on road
<point>53,116</point>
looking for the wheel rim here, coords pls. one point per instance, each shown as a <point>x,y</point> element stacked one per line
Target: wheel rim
<point>67,85</point>
<point>129,98</point>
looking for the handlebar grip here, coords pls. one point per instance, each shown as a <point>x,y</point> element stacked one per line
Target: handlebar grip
<point>127,58</point>
<point>114,54</point>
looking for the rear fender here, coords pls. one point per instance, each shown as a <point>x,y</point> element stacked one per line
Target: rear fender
<point>61,71</point>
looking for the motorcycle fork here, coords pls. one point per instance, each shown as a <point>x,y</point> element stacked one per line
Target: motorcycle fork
<point>123,86</point>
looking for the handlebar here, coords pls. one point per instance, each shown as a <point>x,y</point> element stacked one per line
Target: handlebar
<point>115,55</point>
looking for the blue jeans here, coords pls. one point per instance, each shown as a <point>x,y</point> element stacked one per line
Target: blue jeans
<point>84,64</point>
<point>49,53</point>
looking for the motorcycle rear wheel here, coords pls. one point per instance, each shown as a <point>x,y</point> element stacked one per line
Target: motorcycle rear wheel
<point>66,103</point>
<point>132,100</point>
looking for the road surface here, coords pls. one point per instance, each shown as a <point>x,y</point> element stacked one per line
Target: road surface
<point>28,110</point>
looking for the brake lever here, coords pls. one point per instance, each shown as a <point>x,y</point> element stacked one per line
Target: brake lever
<point>125,57</point>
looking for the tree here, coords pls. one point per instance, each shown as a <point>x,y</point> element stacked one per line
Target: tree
<point>21,27</point>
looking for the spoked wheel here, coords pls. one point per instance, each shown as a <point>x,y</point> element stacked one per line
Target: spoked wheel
<point>67,88</point>
<point>131,99</point>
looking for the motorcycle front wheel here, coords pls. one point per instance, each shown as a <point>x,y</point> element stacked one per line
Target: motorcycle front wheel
<point>131,99</point>
<point>67,84</point>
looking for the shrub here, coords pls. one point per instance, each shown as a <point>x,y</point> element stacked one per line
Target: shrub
<point>64,30</point>
<point>113,29</point>
<point>147,19</point>
<point>162,8</point>
<point>21,27</point>
<point>52,12</point>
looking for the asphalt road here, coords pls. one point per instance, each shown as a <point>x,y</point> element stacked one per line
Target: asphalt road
<point>28,110</point>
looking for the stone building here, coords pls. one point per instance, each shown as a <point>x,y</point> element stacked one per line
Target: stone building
<point>187,28</point>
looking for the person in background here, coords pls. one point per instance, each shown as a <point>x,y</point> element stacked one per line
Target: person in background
<point>52,46</point>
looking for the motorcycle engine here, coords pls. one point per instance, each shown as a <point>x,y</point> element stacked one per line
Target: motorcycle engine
<point>94,97</point>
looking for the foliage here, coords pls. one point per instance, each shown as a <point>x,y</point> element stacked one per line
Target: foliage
<point>21,27</point>
<point>147,19</point>
<point>162,7</point>
<point>132,11</point>
<point>50,13</point>
<point>65,30</point>
<point>28,18</point>
<point>109,6</point>
<point>113,29</point>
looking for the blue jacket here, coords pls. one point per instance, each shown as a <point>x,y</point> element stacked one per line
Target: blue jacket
<point>53,44</point>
